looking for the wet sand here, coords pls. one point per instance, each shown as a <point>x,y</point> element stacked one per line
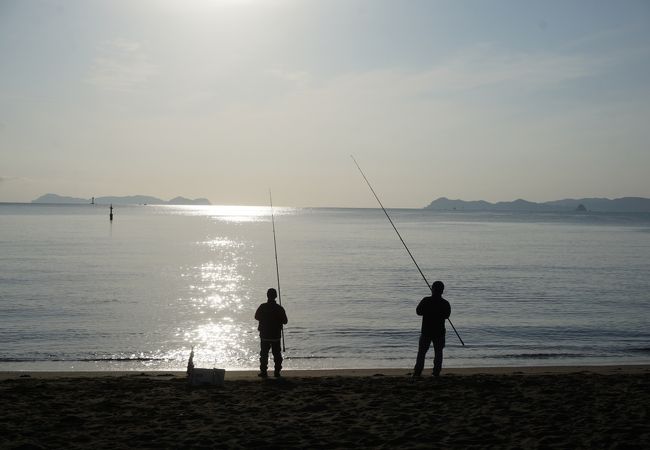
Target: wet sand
<point>533,407</point>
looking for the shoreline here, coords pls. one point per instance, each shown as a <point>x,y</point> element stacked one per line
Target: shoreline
<point>629,369</point>
<point>498,407</point>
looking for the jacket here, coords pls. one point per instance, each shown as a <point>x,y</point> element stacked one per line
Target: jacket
<point>434,312</point>
<point>271,317</point>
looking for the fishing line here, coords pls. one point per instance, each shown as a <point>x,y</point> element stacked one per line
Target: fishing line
<point>277,266</point>
<point>400,238</point>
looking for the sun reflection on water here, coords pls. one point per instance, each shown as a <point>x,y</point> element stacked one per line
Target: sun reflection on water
<point>222,343</point>
<point>218,323</point>
<point>222,242</point>
<point>217,317</point>
<point>233,213</point>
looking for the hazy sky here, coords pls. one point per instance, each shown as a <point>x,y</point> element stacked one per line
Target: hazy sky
<point>225,99</point>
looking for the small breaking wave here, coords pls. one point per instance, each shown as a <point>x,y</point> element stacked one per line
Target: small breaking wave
<point>96,359</point>
<point>535,356</point>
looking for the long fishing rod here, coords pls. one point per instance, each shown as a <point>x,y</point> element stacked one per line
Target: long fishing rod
<point>277,266</point>
<point>400,238</point>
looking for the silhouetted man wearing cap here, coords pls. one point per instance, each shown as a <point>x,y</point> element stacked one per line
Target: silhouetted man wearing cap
<point>434,311</point>
<point>271,317</point>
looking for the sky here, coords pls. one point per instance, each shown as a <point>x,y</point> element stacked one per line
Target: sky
<point>226,99</point>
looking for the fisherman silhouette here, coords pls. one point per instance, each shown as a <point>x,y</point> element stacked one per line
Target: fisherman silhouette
<point>271,317</point>
<point>434,311</point>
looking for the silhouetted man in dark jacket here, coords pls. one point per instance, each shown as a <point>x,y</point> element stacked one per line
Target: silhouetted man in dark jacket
<point>271,317</point>
<point>434,311</point>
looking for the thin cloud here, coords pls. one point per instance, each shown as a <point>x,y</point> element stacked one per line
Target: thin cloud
<point>288,75</point>
<point>6,179</point>
<point>478,68</point>
<point>122,65</point>
<point>487,66</point>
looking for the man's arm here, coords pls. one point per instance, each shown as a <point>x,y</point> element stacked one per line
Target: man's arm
<point>284,317</point>
<point>420,308</point>
<point>258,312</point>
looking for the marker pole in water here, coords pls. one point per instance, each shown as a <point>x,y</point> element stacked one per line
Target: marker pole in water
<point>277,266</point>
<point>400,238</point>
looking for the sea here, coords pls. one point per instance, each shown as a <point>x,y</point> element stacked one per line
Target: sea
<point>81,293</point>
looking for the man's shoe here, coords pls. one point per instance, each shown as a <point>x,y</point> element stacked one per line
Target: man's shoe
<point>276,374</point>
<point>415,377</point>
<point>263,375</point>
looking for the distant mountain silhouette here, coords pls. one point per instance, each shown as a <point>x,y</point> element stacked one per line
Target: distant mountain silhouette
<point>188,201</point>
<point>625,204</point>
<point>53,198</point>
<point>128,200</point>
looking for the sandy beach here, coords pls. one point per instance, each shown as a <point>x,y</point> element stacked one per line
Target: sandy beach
<point>534,407</point>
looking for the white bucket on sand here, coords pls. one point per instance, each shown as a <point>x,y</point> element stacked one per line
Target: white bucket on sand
<point>206,377</point>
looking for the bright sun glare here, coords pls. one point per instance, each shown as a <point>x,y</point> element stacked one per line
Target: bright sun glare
<point>233,213</point>
<point>201,5</point>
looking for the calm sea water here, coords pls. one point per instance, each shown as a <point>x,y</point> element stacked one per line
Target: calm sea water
<point>80,293</point>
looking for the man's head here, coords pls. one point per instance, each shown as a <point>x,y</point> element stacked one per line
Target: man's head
<point>271,294</point>
<point>437,287</point>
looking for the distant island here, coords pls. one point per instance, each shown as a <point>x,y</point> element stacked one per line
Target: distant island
<point>625,204</point>
<point>128,200</point>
